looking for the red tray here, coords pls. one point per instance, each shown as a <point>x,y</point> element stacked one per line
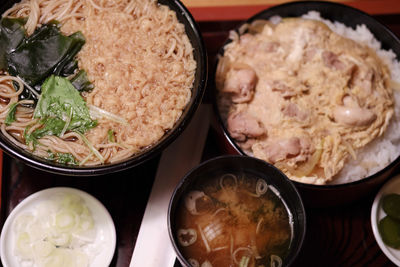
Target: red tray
<point>335,236</point>
<point>223,10</point>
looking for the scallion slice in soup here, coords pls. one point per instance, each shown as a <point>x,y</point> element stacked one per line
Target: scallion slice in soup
<point>244,225</point>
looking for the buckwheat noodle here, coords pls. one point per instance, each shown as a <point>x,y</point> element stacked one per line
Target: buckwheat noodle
<point>140,62</point>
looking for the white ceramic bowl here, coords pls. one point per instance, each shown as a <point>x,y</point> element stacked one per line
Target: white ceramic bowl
<point>377,213</point>
<point>105,237</point>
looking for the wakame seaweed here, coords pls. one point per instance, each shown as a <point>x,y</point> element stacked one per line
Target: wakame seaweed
<point>81,82</point>
<point>45,52</point>
<point>12,33</point>
<point>34,58</point>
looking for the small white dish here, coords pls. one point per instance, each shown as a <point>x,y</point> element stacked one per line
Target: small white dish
<point>377,213</point>
<point>106,235</point>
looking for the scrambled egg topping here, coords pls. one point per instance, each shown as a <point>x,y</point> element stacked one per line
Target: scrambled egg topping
<point>302,97</point>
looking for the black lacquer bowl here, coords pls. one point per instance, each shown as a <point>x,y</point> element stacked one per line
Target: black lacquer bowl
<point>323,195</point>
<point>243,165</point>
<point>200,56</point>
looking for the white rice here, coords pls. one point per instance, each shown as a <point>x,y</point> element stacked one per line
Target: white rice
<point>385,149</point>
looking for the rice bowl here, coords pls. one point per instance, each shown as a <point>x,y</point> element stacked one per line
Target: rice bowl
<point>349,176</point>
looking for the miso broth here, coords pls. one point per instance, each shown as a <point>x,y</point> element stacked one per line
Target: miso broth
<point>233,220</point>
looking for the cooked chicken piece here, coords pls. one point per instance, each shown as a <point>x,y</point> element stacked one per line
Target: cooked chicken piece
<point>348,101</point>
<point>269,47</point>
<point>331,60</point>
<point>295,148</point>
<point>254,47</point>
<point>241,83</point>
<point>245,39</point>
<point>292,110</point>
<point>242,126</point>
<point>363,79</point>
<point>246,145</point>
<point>283,89</point>
<point>309,54</point>
<point>283,149</point>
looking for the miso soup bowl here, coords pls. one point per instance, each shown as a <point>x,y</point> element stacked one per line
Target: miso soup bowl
<point>330,194</point>
<point>243,165</point>
<point>197,91</point>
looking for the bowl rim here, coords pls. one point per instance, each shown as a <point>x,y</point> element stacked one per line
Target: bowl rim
<point>175,197</point>
<point>147,152</point>
<point>226,134</point>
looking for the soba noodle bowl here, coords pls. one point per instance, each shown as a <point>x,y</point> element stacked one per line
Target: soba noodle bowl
<point>140,62</point>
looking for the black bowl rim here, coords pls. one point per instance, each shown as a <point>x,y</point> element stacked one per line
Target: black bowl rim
<point>148,152</point>
<point>240,151</point>
<point>234,157</point>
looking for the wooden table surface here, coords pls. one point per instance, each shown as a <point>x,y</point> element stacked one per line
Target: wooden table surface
<point>340,236</point>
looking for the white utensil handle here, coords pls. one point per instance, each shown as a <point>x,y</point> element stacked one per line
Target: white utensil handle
<point>153,247</point>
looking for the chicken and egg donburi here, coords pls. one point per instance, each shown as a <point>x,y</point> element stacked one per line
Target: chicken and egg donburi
<point>92,82</point>
<point>302,97</point>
